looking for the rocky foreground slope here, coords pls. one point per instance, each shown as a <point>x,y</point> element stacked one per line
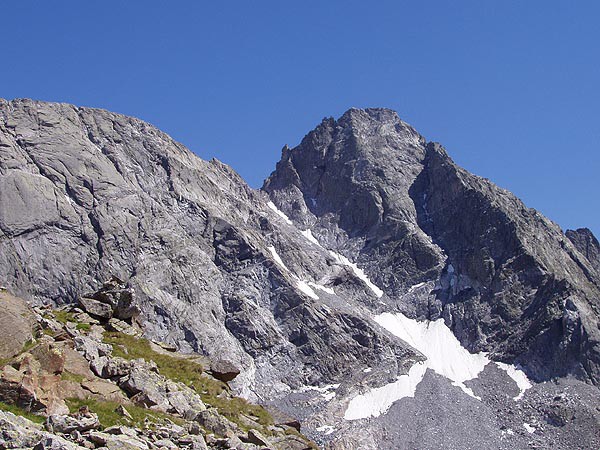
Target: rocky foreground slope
<point>83,377</point>
<point>347,291</point>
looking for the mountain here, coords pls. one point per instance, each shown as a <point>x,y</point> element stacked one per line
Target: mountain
<point>373,289</point>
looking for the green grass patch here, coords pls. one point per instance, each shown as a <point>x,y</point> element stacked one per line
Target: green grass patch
<point>233,407</point>
<point>70,376</point>
<point>191,374</point>
<point>83,326</point>
<point>108,415</point>
<point>28,345</point>
<point>49,332</point>
<point>176,369</point>
<point>17,411</point>
<point>292,431</point>
<point>64,316</point>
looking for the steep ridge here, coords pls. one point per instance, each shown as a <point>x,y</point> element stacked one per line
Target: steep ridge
<point>366,244</point>
<point>584,240</point>
<point>506,279</point>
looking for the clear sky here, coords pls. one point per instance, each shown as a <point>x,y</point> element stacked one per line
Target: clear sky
<point>510,88</point>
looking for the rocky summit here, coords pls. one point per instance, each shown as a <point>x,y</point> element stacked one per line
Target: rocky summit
<point>372,294</point>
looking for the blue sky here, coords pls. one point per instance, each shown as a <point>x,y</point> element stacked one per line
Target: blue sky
<point>510,88</point>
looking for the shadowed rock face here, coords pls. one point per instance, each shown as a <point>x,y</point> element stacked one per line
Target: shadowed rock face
<point>86,195</point>
<point>507,280</point>
<point>584,240</point>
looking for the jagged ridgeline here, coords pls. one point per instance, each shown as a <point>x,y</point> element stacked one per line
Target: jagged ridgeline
<point>372,289</point>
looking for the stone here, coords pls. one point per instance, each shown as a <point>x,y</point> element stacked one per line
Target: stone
<point>198,443</point>
<point>31,388</point>
<point>215,423</point>
<point>121,410</point>
<point>224,370</point>
<point>115,324</point>
<point>55,443</point>
<point>18,432</point>
<point>146,388</point>
<point>256,437</point>
<point>50,357</point>
<point>17,324</point>
<point>96,308</point>
<point>104,389</point>
<point>165,443</point>
<point>67,423</point>
<point>281,418</point>
<point>120,442</point>
<point>116,367</point>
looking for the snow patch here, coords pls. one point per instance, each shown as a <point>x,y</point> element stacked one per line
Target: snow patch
<point>445,356</point>
<point>304,287</point>
<point>308,235</point>
<point>378,401</point>
<point>327,391</point>
<point>529,428</point>
<point>325,429</point>
<point>359,273</point>
<point>416,286</point>
<point>277,258</point>
<point>322,288</point>
<point>279,213</point>
<point>518,376</point>
<point>301,285</point>
<point>367,370</point>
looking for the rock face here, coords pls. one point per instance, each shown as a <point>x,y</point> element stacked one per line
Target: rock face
<point>507,280</point>
<point>17,325</point>
<point>364,217</point>
<point>587,244</point>
<point>87,195</point>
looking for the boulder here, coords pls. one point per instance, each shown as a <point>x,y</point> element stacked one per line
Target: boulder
<point>121,326</point>
<point>55,443</point>
<point>281,418</point>
<point>183,399</point>
<point>96,308</point>
<point>121,410</point>
<point>224,370</point>
<point>165,443</point>
<point>117,441</point>
<point>104,389</point>
<point>112,300</point>
<point>67,423</point>
<point>114,367</point>
<point>213,422</point>
<point>18,432</point>
<point>31,387</point>
<point>17,323</point>
<point>256,437</point>
<point>146,387</point>
<point>50,357</point>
